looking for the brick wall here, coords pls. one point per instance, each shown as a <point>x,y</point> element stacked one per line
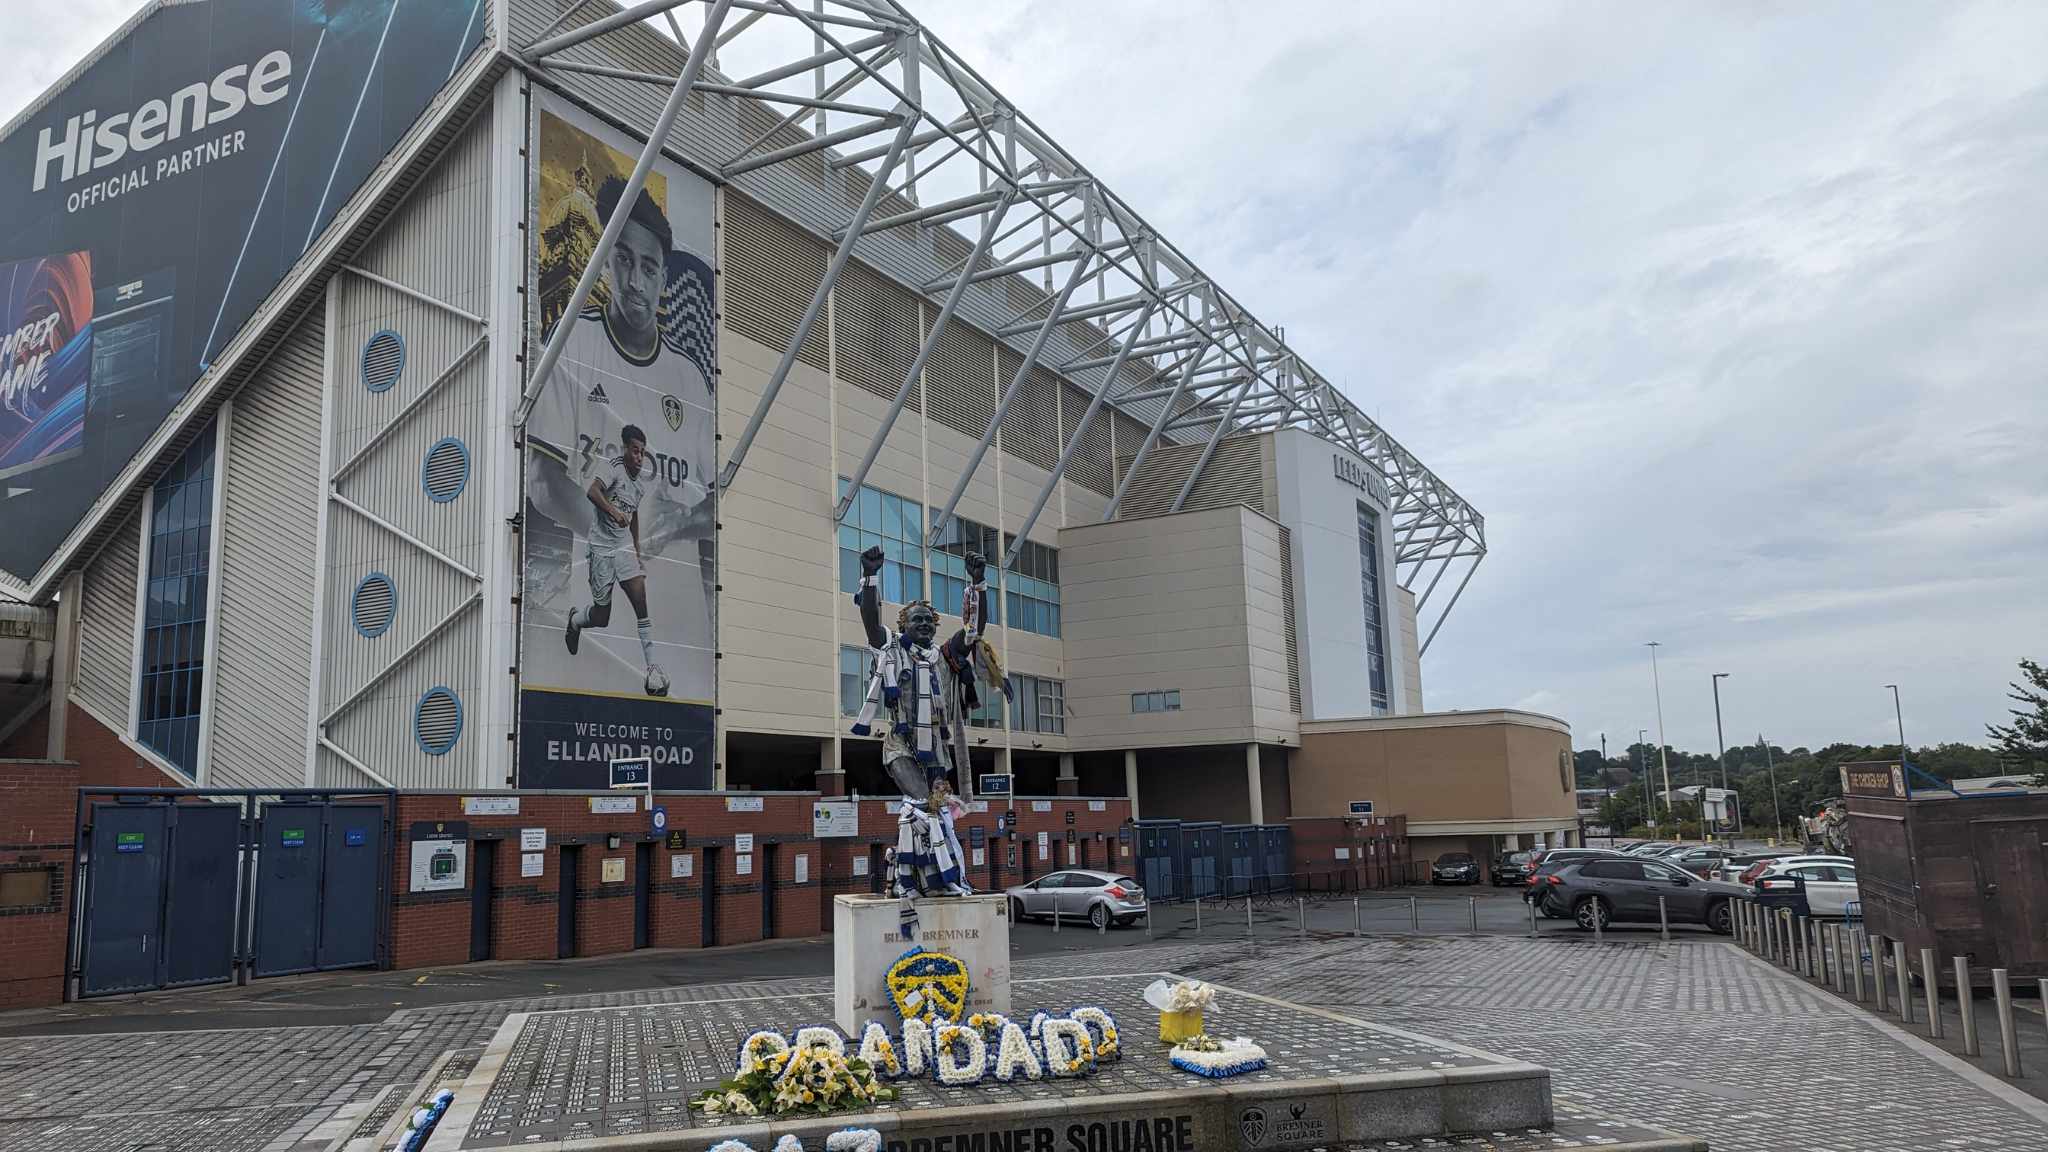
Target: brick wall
<point>38,803</point>
<point>877,827</point>
<point>1376,852</point>
<point>430,928</point>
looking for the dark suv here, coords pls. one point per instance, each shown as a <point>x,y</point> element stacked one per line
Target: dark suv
<point>1454,868</point>
<point>1545,862</point>
<point>1512,870</point>
<point>1603,892</point>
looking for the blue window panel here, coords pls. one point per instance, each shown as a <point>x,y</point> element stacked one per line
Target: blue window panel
<point>173,675</point>
<point>870,505</point>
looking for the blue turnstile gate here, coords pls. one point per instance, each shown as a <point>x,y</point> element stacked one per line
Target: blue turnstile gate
<point>1277,840</point>
<point>1240,858</point>
<point>319,886</point>
<point>200,886</point>
<point>1158,846</point>
<point>1201,841</point>
<point>160,897</point>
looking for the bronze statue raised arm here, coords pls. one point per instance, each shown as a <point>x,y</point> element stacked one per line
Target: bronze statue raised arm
<point>919,697</point>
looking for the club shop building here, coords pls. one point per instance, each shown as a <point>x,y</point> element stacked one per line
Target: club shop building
<point>315,436</point>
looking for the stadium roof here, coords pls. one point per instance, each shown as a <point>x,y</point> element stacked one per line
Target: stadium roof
<point>860,90</point>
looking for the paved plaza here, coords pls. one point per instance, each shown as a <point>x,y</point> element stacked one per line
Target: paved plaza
<point>1691,1036</point>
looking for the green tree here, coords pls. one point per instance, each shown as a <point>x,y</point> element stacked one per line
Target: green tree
<point>2024,742</point>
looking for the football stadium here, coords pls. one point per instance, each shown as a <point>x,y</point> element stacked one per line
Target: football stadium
<point>463,397</point>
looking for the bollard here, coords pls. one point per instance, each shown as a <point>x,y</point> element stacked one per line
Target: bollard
<point>2008,1035</point>
<point>1533,931</point>
<point>1055,914</point>
<point>1148,916</point>
<point>1248,933</point>
<point>1877,984</point>
<point>1770,922</point>
<point>1816,964</point>
<point>1474,901</point>
<point>1836,936</point>
<point>1301,915</point>
<point>1856,962</point>
<point>1966,1004</point>
<point>1905,972</point>
<point>1357,921</point>
<point>1198,915</point>
<point>1102,929</point>
<point>1800,944</point>
<point>1414,916</point>
<point>1663,923</point>
<point>1932,982</point>
<point>1787,943</point>
<point>1597,920</point>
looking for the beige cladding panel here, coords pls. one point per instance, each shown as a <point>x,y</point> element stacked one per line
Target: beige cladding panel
<point>1459,768</point>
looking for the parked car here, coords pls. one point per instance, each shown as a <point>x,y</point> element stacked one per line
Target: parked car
<point>1732,867</point>
<point>1702,860</point>
<point>1758,868</point>
<point>1603,892</point>
<point>1512,870</point>
<point>1454,868</point>
<point>1652,848</point>
<point>1549,861</point>
<point>1830,883</point>
<point>1101,898</point>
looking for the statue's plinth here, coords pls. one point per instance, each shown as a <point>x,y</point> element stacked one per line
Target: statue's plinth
<point>866,940</point>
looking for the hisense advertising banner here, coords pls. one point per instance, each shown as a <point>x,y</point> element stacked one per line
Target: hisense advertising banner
<point>153,203</point>
<point>616,653</point>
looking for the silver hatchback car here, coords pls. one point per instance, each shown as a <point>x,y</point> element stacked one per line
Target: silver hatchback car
<point>1100,898</point>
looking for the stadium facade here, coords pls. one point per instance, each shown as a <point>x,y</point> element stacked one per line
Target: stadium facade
<point>329,466</point>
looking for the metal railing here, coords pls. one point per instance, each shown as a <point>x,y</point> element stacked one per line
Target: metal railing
<point>1842,955</point>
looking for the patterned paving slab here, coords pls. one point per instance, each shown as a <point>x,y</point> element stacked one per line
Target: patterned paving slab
<point>582,1075</point>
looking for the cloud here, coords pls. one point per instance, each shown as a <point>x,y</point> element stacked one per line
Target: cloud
<point>1726,317</point>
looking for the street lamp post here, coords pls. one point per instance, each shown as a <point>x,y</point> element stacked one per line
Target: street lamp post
<point>1720,747</point>
<point>1643,779</point>
<point>1900,716</point>
<point>1777,816</point>
<point>1663,752</point>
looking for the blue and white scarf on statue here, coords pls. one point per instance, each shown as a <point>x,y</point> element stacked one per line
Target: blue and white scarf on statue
<point>919,720</point>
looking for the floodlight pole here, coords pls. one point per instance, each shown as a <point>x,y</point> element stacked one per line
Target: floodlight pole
<point>1721,748</point>
<point>663,124</point>
<point>1663,753</point>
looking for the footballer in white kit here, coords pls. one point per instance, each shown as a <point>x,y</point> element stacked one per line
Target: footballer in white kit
<point>591,420</point>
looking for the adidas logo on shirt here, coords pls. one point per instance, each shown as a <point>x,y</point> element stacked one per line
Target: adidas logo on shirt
<point>597,395</point>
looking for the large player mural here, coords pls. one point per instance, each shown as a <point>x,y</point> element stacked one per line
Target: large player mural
<point>152,204</point>
<point>616,647</point>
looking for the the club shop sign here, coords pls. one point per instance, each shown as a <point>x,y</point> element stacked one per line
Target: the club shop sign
<point>1172,1133</point>
<point>1359,476</point>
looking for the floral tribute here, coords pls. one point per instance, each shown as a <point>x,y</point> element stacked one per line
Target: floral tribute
<point>773,1077</point>
<point>811,1071</point>
<point>1205,1055</point>
<point>928,986</point>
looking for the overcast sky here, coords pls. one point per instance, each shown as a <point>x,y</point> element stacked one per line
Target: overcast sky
<point>1732,319</point>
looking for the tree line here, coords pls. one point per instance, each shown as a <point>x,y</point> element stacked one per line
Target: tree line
<point>1808,777</point>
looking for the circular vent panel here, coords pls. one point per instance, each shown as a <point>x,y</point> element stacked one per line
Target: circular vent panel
<point>383,360</point>
<point>445,471</point>
<point>374,604</point>
<point>437,721</point>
